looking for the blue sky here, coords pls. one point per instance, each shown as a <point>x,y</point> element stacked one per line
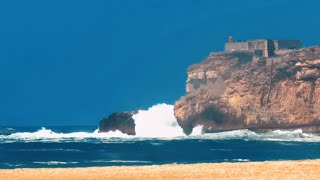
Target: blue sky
<point>74,62</point>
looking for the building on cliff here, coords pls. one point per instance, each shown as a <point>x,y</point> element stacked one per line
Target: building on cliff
<point>262,47</point>
<point>238,89</point>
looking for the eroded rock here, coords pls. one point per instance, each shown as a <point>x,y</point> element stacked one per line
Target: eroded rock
<point>121,121</point>
<point>228,91</point>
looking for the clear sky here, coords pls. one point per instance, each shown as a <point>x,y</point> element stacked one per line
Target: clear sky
<point>69,62</point>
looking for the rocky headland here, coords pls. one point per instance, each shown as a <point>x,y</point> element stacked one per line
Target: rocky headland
<point>246,89</point>
<point>239,90</point>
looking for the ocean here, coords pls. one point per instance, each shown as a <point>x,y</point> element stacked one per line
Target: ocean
<point>62,147</point>
<point>158,140</point>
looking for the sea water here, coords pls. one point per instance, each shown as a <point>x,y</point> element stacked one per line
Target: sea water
<point>159,140</point>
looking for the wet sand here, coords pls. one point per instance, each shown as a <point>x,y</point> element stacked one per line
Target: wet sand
<point>306,169</point>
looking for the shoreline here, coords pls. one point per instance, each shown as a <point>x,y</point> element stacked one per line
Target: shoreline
<point>295,169</point>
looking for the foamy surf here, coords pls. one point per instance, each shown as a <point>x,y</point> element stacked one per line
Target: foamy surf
<point>276,135</point>
<point>45,133</point>
<point>55,163</point>
<point>158,122</point>
<point>48,135</point>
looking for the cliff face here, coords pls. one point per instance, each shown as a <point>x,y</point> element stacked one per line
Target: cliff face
<point>237,90</point>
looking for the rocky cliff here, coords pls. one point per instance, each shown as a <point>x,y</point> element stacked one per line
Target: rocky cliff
<point>121,121</point>
<point>238,90</point>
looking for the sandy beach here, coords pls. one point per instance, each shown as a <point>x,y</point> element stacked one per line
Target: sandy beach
<point>306,169</point>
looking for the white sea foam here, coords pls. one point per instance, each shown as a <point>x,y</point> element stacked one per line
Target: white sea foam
<point>119,161</point>
<point>11,165</point>
<point>276,135</point>
<point>159,122</point>
<point>38,150</point>
<point>237,160</point>
<point>197,131</point>
<point>44,133</point>
<point>55,163</point>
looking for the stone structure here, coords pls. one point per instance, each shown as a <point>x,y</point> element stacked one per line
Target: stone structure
<point>263,47</point>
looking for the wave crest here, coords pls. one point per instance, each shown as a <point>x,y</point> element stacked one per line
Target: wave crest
<point>276,135</point>
<point>48,135</point>
<point>159,122</point>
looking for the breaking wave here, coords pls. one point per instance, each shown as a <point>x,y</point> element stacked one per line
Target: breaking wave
<point>48,135</point>
<point>276,135</point>
<point>55,163</point>
<point>158,122</point>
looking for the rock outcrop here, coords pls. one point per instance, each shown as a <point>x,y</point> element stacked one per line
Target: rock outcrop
<point>236,90</point>
<point>121,121</point>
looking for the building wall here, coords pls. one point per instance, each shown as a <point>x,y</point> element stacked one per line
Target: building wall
<point>258,53</point>
<point>287,44</point>
<point>276,44</point>
<point>236,46</point>
<point>261,44</point>
<point>257,44</point>
<point>268,46</point>
<point>271,48</point>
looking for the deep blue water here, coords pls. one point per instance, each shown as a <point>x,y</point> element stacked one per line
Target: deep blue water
<point>18,151</point>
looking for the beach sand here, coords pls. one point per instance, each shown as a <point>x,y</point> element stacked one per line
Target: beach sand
<point>306,169</point>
